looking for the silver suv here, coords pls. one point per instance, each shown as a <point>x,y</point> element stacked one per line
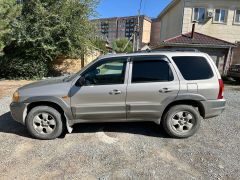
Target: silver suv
<point>176,89</point>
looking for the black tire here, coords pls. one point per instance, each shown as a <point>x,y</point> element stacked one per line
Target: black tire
<point>170,120</point>
<point>54,115</point>
<point>237,80</point>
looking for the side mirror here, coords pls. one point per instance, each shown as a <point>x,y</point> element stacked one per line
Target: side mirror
<point>81,81</point>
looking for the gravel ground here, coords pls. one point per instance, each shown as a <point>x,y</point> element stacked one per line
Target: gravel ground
<point>124,150</point>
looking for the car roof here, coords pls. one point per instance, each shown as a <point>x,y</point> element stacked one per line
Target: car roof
<point>167,53</point>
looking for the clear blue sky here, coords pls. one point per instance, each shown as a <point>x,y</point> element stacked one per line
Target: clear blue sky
<point>113,8</point>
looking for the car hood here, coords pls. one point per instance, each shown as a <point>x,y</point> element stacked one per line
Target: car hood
<point>46,82</point>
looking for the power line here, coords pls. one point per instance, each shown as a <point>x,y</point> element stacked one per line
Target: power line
<point>140,6</point>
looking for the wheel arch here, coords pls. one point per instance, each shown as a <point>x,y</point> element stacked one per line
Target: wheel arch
<point>46,103</point>
<point>51,104</point>
<point>193,103</point>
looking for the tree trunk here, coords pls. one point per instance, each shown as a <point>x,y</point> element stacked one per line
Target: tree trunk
<point>82,60</point>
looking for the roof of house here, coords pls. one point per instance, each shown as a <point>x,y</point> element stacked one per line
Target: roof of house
<point>198,40</point>
<point>169,6</point>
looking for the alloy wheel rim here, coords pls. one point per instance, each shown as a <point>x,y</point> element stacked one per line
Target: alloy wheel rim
<point>182,122</point>
<point>44,123</point>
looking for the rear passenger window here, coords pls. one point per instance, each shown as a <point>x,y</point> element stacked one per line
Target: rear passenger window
<point>193,67</point>
<point>151,71</point>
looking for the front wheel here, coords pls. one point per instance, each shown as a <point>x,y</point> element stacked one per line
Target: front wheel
<point>181,121</point>
<point>44,122</point>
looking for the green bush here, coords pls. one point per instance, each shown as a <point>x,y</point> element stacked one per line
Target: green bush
<point>122,45</point>
<point>44,30</point>
<point>22,68</point>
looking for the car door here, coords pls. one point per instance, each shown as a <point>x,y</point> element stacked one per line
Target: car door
<point>151,84</point>
<point>103,95</point>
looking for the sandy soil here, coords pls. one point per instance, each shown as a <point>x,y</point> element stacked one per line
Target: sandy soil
<point>8,87</point>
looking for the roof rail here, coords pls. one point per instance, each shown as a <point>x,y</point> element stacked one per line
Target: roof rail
<point>172,50</point>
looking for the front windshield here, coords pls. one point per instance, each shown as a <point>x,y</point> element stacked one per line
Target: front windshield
<point>70,77</point>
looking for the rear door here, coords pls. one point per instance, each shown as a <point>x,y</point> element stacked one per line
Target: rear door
<point>151,84</point>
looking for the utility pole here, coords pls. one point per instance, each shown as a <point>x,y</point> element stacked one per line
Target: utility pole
<point>134,38</point>
<point>136,31</point>
<point>117,28</point>
<point>138,26</point>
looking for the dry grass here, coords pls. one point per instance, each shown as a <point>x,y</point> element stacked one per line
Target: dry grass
<point>7,87</point>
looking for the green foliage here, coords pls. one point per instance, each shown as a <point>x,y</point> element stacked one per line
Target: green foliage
<point>9,10</point>
<point>21,68</point>
<point>44,30</point>
<point>100,45</point>
<point>119,45</point>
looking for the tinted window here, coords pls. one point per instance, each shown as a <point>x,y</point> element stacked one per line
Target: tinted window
<point>151,71</point>
<point>237,17</point>
<point>199,14</point>
<point>106,72</point>
<point>193,67</point>
<point>220,15</point>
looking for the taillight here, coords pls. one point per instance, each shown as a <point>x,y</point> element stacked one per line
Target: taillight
<point>221,88</point>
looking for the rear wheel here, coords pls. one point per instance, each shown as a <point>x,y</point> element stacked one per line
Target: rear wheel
<point>44,122</point>
<point>181,121</point>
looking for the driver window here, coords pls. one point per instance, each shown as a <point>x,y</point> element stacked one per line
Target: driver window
<point>106,72</point>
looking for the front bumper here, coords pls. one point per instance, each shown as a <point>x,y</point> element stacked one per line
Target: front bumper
<point>18,111</point>
<point>213,107</point>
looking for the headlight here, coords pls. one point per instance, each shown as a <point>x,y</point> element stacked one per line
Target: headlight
<point>16,96</point>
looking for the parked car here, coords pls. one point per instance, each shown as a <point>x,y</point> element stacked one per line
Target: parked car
<point>176,89</point>
<point>234,72</point>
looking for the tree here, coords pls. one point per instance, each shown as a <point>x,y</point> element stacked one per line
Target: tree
<point>9,11</point>
<point>122,45</point>
<point>45,30</point>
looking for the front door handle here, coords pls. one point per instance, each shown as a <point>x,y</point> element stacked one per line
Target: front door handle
<point>165,90</point>
<point>115,92</point>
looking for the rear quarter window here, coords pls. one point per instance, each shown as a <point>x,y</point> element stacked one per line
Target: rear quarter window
<point>193,67</point>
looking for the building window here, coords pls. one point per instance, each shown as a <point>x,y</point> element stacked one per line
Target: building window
<point>105,28</point>
<point>129,27</point>
<point>220,15</point>
<point>237,16</point>
<point>199,14</point>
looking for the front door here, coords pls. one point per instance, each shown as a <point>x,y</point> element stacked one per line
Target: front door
<point>151,84</point>
<point>103,96</point>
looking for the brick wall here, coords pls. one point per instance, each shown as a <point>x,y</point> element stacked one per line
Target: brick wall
<point>66,65</point>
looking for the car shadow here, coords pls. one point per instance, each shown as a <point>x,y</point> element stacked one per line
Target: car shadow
<point>229,81</point>
<point>9,126</point>
<point>141,128</point>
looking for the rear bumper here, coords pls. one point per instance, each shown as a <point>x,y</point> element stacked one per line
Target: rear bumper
<point>213,107</point>
<point>18,112</point>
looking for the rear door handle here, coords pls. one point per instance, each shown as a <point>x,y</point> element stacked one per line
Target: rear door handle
<point>165,90</point>
<point>115,92</point>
